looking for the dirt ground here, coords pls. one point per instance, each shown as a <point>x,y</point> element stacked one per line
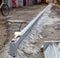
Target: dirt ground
<point>25,14</point>
<point>52,31</point>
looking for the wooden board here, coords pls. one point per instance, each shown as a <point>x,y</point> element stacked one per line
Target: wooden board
<point>17,21</point>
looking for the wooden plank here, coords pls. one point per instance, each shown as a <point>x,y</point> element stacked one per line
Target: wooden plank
<point>17,21</point>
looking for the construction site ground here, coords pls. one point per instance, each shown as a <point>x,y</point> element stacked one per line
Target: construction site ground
<point>16,21</point>
<point>47,28</point>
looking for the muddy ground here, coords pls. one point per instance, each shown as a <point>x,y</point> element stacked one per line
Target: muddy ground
<point>24,14</point>
<point>52,31</point>
<point>31,46</point>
